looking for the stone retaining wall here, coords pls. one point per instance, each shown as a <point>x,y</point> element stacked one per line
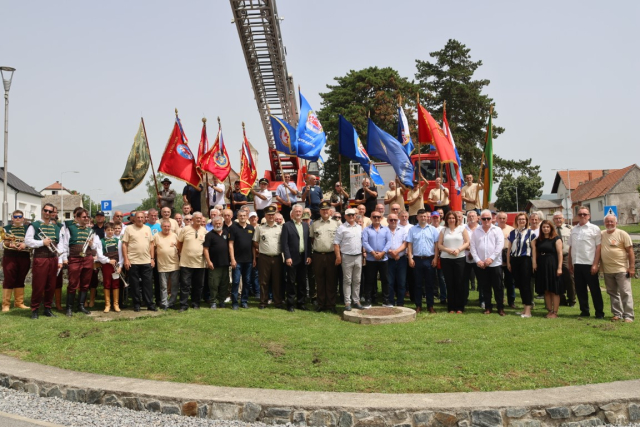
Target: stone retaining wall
<point>583,413</point>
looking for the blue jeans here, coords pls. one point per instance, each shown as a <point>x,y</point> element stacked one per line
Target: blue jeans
<point>422,276</point>
<point>397,273</point>
<point>243,269</point>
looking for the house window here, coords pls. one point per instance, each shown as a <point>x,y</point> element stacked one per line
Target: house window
<point>54,192</point>
<point>600,206</point>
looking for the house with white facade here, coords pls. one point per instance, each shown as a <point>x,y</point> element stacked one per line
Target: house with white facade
<point>20,195</point>
<point>62,198</point>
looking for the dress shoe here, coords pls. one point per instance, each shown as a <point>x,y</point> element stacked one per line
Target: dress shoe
<point>136,308</point>
<point>245,305</point>
<point>222,305</point>
<point>34,314</point>
<point>431,310</point>
<point>319,309</point>
<point>290,309</point>
<point>600,317</point>
<point>261,307</point>
<point>347,308</point>
<point>234,307</point>
<point>487,312</point>
<point>302,307</point>
<point>358,307</point>
<point>196,306</point>
<point>152,308</point>
<point>183,309</point>
<point>512,306</point>
<point>584,314</point>
<point>214,306</point>
<point>501,313</point>
<point>334,311</point>
<point>418,309</point>
<point>47,312</point>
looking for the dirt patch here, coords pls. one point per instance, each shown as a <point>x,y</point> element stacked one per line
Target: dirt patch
<point>101,316</point>
<point>274,349</point>
<point>90,332</point>
<point>381,311</point>
<point>64,334</point>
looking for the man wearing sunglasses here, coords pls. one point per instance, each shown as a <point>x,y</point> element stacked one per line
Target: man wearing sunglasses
<point>40,235</point>
<point>487,242</point>
<point>584,259</point>
<point>15,262</point>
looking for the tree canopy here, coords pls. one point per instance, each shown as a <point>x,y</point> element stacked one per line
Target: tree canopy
<point>529,187</point>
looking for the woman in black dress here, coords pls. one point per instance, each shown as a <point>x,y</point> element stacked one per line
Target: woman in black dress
<point>547,265</point>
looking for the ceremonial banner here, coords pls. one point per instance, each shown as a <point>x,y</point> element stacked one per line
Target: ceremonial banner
<point>487,166</point>
<point>285,136</point>
<point>311,138</point>
<point>429,131</point>
<point>177,160</point>
<point>458,165</point>
<point>385,147</point>
<point>216,160</point>
<point>403,132</point>
<point>137,163</point>
<point>248,172</point>
<point>349,145</point>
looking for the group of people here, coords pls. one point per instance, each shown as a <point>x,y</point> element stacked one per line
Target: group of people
<point>319,253</point>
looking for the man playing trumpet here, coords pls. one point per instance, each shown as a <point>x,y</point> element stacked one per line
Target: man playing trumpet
<point>43,236</point>
<point>15,262</point>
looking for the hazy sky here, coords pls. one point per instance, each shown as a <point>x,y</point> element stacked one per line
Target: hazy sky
<point>564,76</point>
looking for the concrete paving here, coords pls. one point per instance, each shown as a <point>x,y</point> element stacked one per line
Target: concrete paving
<point>607,392</point>
<point>10,420</point>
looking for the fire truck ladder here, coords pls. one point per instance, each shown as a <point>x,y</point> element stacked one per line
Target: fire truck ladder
<point>258,26</point>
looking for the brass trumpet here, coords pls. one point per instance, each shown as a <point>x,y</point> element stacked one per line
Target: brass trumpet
<point>10,241</point>
<point>126,285</point>
<point>87,242</point>
<point>52,247</point>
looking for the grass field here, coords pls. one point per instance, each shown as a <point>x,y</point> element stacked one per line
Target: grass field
<point>318,351</point>
<point>631,229</point>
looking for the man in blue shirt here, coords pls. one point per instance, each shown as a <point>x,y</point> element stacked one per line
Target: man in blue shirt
<point>376,241</point>
<point>421,240</point>
<point>312,196</point>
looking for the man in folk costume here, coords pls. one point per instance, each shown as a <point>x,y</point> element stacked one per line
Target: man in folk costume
<point>42,236</point>
<point>80,242</point>
<point>15,262</point>
<point>110,256</point>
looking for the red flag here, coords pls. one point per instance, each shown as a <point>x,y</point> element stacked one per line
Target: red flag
<point>248,172</point>
<point>204,143</point>
<point>177,160</point>
<point>429,131</point>
<point>216,160</point>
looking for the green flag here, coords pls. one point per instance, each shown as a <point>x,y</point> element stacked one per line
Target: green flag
<point>137,163</point>
<point>487,166</point>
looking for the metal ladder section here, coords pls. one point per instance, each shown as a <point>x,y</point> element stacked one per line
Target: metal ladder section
<point>258,27</point>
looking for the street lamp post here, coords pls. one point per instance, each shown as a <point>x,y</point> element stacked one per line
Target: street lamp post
<point>517,207</point>
<point>6,81</point>
<point>61,196</point>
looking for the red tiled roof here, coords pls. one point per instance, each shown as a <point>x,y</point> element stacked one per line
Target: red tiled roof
<point>578,176</point>
<point>598,187</point>
<point>55,186</point>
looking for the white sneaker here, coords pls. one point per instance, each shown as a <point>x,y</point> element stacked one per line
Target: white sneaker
<point>270,302</point>
<point>388,305</point>
<point>227,300</point>
<point>367,306</point>
<point>482,305</point>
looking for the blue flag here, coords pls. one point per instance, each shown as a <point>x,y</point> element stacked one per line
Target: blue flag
<point>385,147</point>
<point>311,138</point>
<point>403,132</point>
<point>285,136</point>
<point>349,145</point>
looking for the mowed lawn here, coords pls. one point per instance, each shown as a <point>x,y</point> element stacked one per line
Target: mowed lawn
<point>318,351</point>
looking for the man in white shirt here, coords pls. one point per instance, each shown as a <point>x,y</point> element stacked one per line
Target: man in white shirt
<point>287,196</point>
<point>261,198</point>
<point>487,242</point>
<point>584,251</point>
<point>216,193</point>
<point>347,246</point>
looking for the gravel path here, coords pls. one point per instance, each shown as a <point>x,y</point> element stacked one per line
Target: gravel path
<point>63,412</point>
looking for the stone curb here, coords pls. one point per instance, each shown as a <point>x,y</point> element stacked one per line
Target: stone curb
<point>589,405</point>
<point>27,421</point>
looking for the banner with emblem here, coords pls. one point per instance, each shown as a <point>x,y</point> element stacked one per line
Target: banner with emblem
<point>403,132</point>
<point>349,145</point>
<point>430,132</point>
<point>216,160</point>
<point>458,165</point>
<point>178,160</point>
<point>386,148</point>
<point>310,136</point>
<point>137,162</point>
<point>285,136</point>
<point>248,172</point>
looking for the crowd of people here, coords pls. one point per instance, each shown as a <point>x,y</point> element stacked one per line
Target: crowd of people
<point>318,255</point>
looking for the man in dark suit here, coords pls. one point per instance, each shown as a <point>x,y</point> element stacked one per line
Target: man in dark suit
<point>297,255</point>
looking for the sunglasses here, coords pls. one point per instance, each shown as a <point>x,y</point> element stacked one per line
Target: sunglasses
<point>392,220</point>
<point>376,217</point>
<point>47,210</point>
<point>335,217</point>
<point>583,214</point>
<point>188,219</point>
<point>17,216</point>
<point>486,219</point>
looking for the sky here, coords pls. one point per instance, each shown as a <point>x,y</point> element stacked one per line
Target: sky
<point>564,76</point>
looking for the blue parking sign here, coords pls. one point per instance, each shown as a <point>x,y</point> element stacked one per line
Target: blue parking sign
<point>105,205</point>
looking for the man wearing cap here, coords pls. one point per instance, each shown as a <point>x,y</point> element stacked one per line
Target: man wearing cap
<point>166,196</point>
<point>267,257</point>
<point>262,197</point>
<point>297,254</point>
<point>439,196</point>
<point>323,232</point>
<point>287,196</point>
<point>312,196</point>
<point>367,196</point>
<point>347,246</point>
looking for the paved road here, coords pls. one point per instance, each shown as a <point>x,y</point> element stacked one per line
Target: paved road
<point>10,420</point>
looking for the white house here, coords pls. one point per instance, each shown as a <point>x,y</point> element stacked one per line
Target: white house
<point>62,198</point>
<point>20,195</point>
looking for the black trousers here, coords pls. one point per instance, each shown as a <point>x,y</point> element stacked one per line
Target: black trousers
<point>584,279</point>
<point>469,278</point>
<point>521,270</point>
<point>371,281</point>
<point>286,212</point>
<point>457,290</point>
<point>325,278</point>
<point>141,282</point>
<point>191,278</point>
<point>296,283</point>
<point>490,278</point>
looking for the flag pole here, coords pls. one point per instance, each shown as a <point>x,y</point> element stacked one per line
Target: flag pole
<point>419,142</point>
<point>485,174</point>
<point>146,140</point>
<point>206,174</point>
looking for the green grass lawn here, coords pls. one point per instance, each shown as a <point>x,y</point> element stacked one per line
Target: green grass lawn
<point>631,229</point>
<point>318,351</point>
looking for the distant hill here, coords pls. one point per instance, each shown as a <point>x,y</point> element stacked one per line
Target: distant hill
<point>127,207</point>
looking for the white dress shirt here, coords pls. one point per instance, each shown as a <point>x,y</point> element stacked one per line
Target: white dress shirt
<point>487,244</point>
<point>261,204</point>
<point>349,238</point>
<point>216,198</point>
<point>583,242</point>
